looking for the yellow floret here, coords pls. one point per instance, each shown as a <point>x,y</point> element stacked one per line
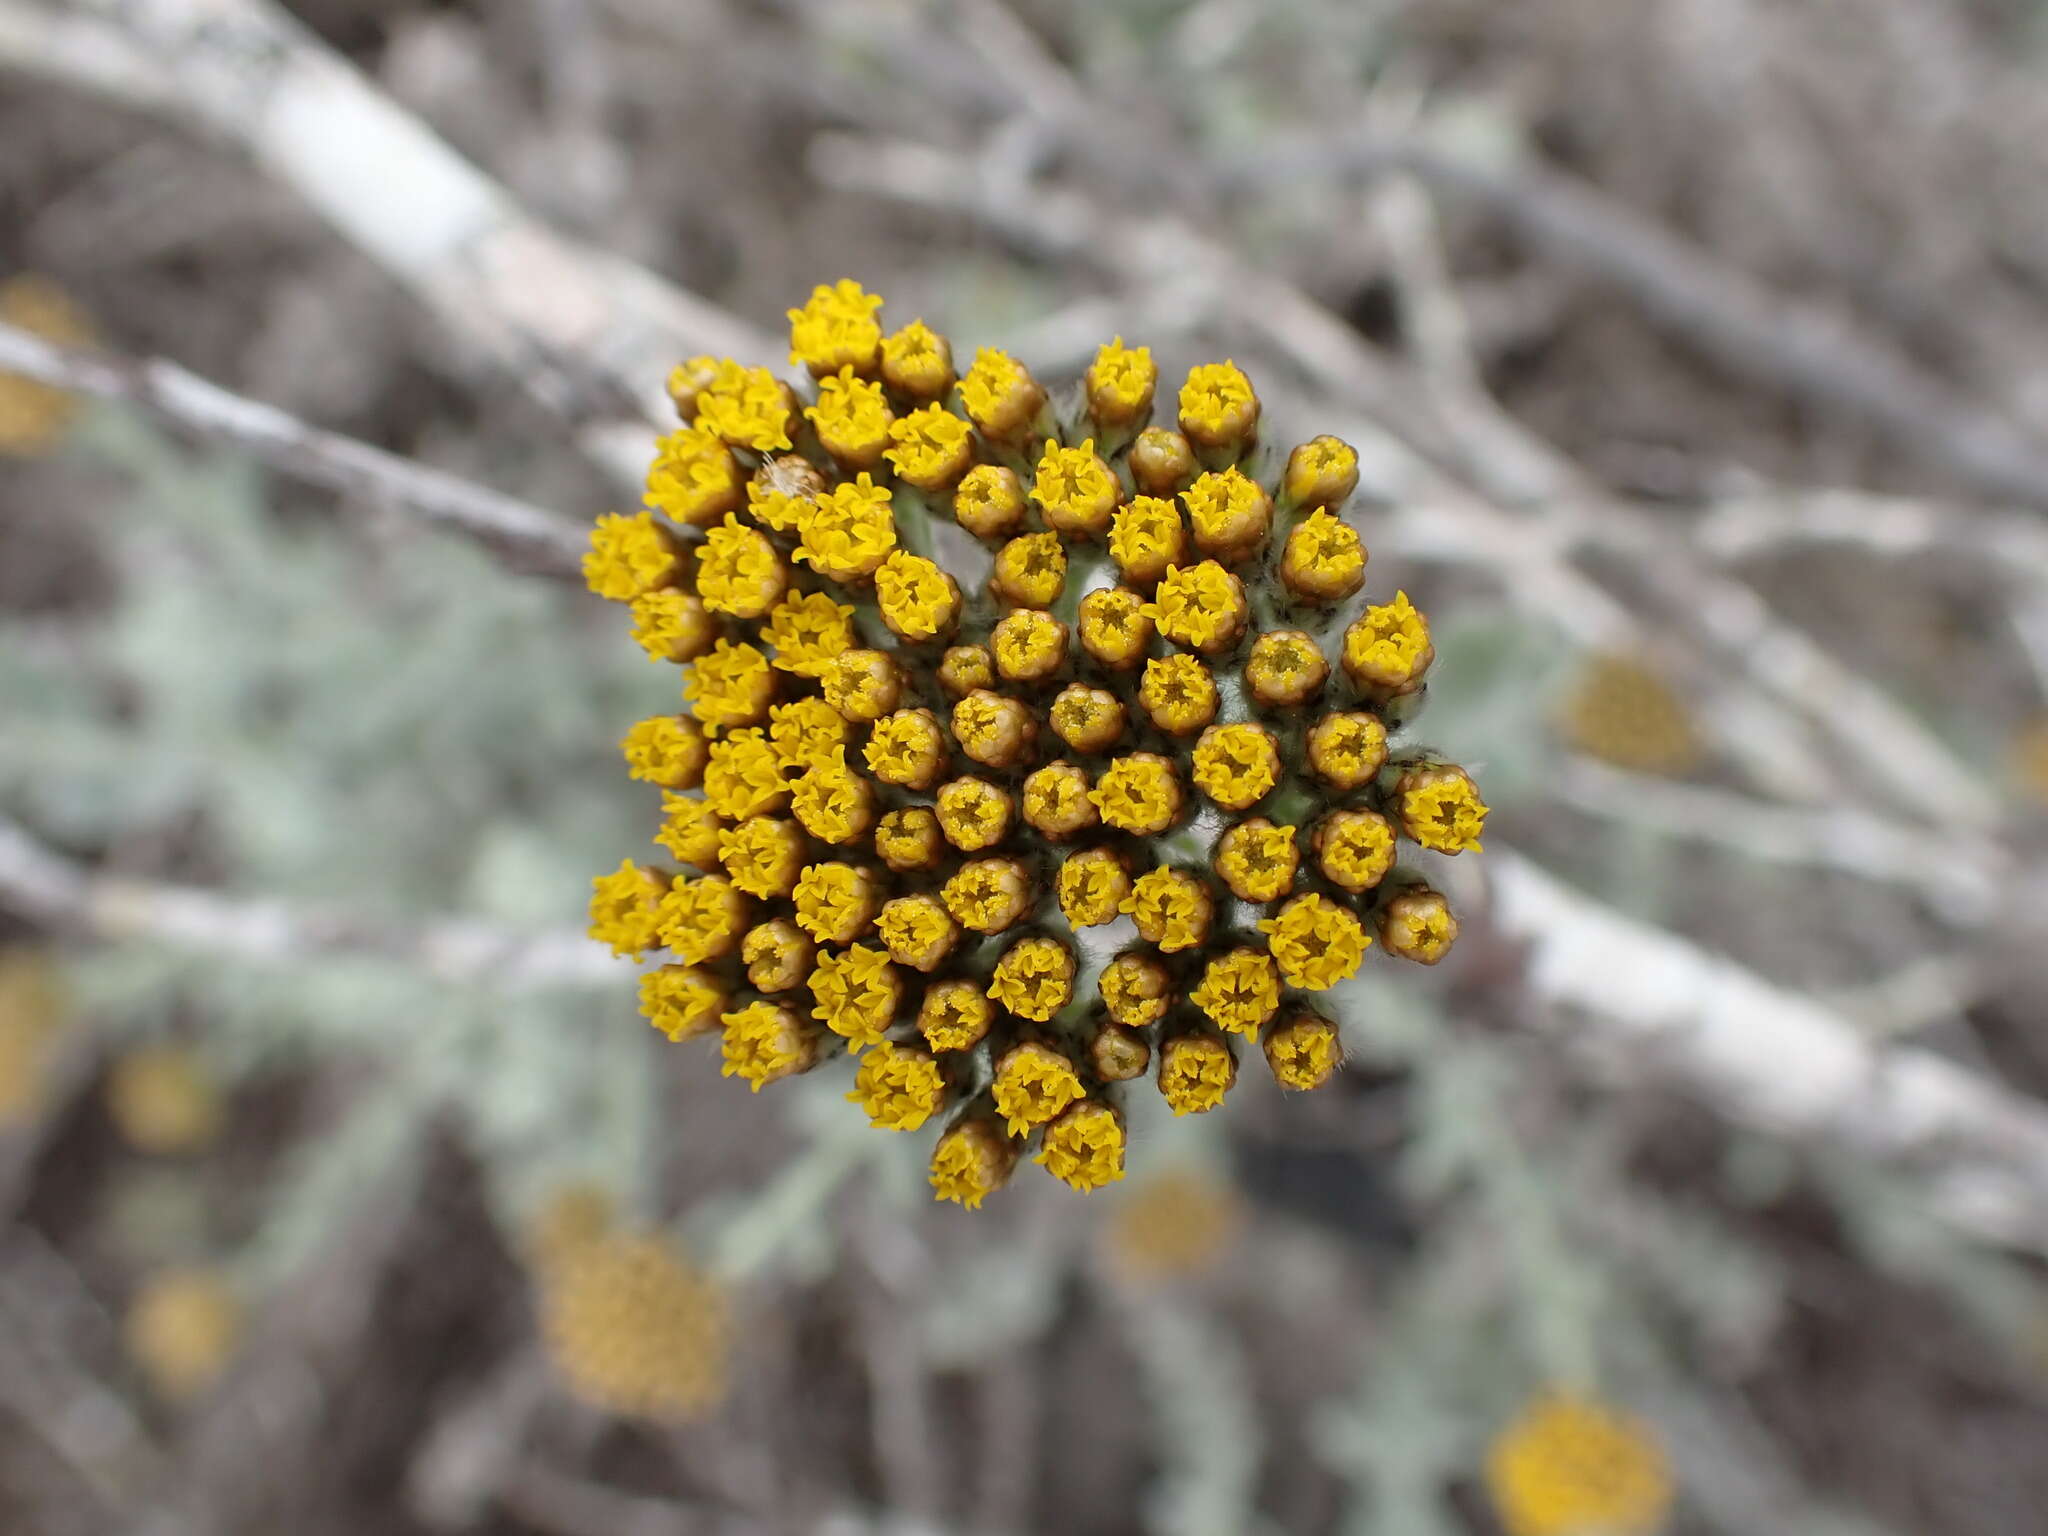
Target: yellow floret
<point>807,631</point>
<point>628,556</point>
<point>762,856</point>
<point>667,750</point>
<point>1114,626</point>
<point>1034,979</point>
<point>1138,794</point>
<point>1304,1052</point>
<point>1084,1148</point>
<point>744,777</point>
<point>918,600</point>
<point>1120,383</point>
<point>1029,645</point>
<point>898,1088</point>
<point>681,1000</point>
<point>955,1015</point>
<point>971,1162</point>
<point>832,801</point>
<point>1316,942</point>
<point>738,571</point>
<point>917,361</point>
<point>1347,749</point>
<point>989,501</point>
<point>805,732</point>
<point>990,728</point>
<point>987,895</point>
<point>672,625</point>
<point>1075,489</point>
<point>783,510</point>
<point>1093,887</point>
<point>181,1329</point>
<point>909,839</point>
<point>863,685</point>
<point>999,395</point>
<point>1567,1466</point>
<point>1230,512</point>
<point>624,908</point>
<point>931,447</point>
<point>851,532</point>
<point>731,685</point>
<point>1387,646</point>
<point>694,478</point>
<point>1320,472</point>
<point>907,748</point>
<point>973,813</point>
<point>836,329</point>
<point>1135,989</point>
<point>856,992</point>
<point>1056,800</point>
<point>702,919</point>
<point>1258,860</point>
<point>1179,694</point>
<point>1217,405</point>
<point>1324,558</point>
<point>163,1100</point>
<point>1171,909</point>
<point>1356,848</point>
<point>748,407</point>
<point>1235,765</point>
<point>766,1042</point>
<point>1199,606</point>
<point>834,902</point>
<point>1240,991</point>
<point>1147,538</point>
<point>1031,570</point>
<point>1195,1072</point>
<point>1441,809</point>
<point>918,931</point>
<point>690,828</point>
<point>1033,1083</point>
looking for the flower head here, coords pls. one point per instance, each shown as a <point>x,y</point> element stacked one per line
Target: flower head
<point>900,806</point>
<point>634,1328</point>
<point>1567,1465</point>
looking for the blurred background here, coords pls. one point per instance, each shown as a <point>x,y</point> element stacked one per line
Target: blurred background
<point>1697,356</point>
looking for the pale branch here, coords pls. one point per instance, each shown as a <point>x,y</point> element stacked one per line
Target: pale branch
<point>589,334</point>
<point>44,886</point>
<point>1810,351</point>
<point>1768,522</point>
<point>520,534</point>
<point>1962,886</point>
<point>1774,1060</point>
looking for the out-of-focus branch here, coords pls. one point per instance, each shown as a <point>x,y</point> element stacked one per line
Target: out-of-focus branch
<point>1769,522</point>
<point>589,334</point>
<point>1816,354</point>
<point>1963,882</point>
<point>40,884</point>
<point>522,535</point>
<point>1772,1059</point>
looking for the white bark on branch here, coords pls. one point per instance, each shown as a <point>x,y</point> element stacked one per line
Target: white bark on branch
<point>525,537</point>
<point>1774,1060</point>
<point>43,885</point>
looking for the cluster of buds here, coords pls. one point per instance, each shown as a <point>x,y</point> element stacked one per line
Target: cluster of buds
<point>905,804</point>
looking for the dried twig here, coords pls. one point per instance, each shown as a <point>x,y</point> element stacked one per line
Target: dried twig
<point>524,536</point>
<point>48,888</point>
<point>1774,1060</point>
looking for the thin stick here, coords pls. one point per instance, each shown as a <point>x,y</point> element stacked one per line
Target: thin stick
<point>522,535</point>
<point>43,885</point>
<point>1774,1060</point>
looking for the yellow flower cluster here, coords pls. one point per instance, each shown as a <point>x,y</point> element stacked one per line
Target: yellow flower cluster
<point>635,1329</point>
<point>1567,1466</point>
<point>897,804</point>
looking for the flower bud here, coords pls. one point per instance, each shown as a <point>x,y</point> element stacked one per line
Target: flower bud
<point>1285,669</point>
<point>1218,410</point>
<point>1030,570</point>
<point>836,903</point>
<point>909,839</point>
<point>852,420</point>
<point>1172,909</point>
<point>688,380</point>
<point>988,895</point>
<point>1201,607</point>
<point>765,1042</point>
<point>672,625</point>
<point>777,955</point>
<point>1417,924</point>
<point>1304,1051</point>
<point>1387,648</point>
<point>993,730</point>
<point>1347,749</point>
<point>1030,645</point>
<point>1324,561</point>
<point>918,601</point>
<point>1258,860</point>
<point>1084,1147</point>
<point>1092,887</point>
<point>955,1015</point>
<point>1322,472</point>
<point>1230,513</point>
<point>863,685</point>
<point>907,749</point>
<point>931,448</point>
<point>1034,979</point>
<point>1034,1081</point>
<point>972,1161</point>
<point>1056,802</point>
<point>917,362</point>
<point>1146,538</point>
<point>1002,399</point>
<point>973,814</point>
<point>1178,694</point>
<point>1162,462</point>
<point>1354,848</point>
<point>1090,720</point>
<point>990,502</point>
<point>1136,990</point>
<point>918,931</point>
<point>1075,490</point>
<point>1119,1055</point>
<point>1236,765</point>
<point>1119,385</point>
<point>1440,807</point>
<point>1195,1072</point>
<point>1139,794</point>
<point>1115,629</point>
<point>965,668</point>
